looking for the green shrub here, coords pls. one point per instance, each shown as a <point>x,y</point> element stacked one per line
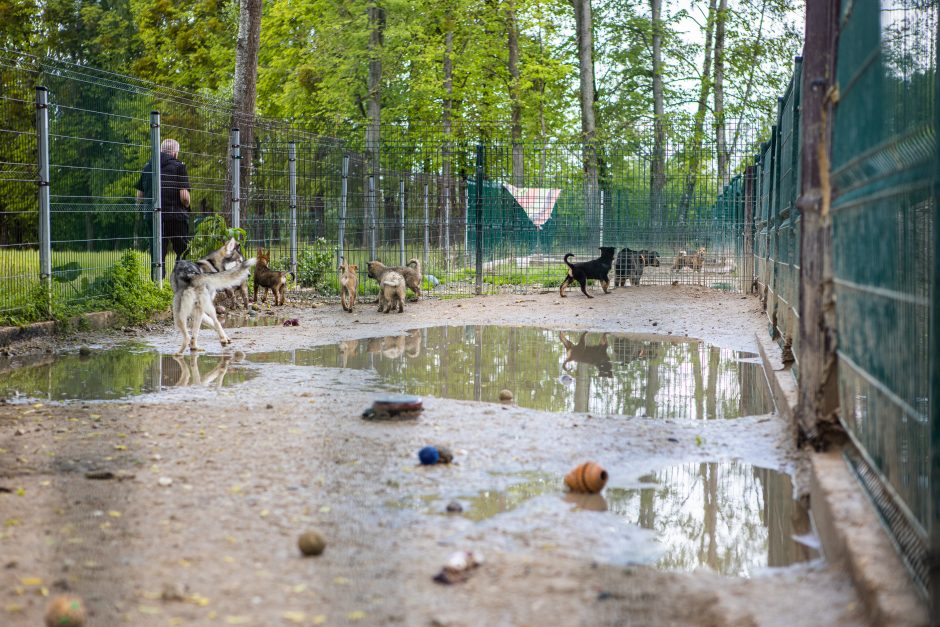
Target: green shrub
<point>131,293</point>
<point>211,233</point>
<point>315,267</point>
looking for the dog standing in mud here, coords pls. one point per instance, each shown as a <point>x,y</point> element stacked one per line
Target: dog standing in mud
<point>391,292</point>
<point>268,279</point>
<point>349,282</point>
<point>597,269</point>
<point>411,274</point>
<point>225,258</point>
<point>194,286</point>
<point>630,264</point>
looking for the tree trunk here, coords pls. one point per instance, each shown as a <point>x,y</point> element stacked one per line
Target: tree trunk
<point>658,164</point>
<point>585,36</point>
<point>720,140</point>
<point>695,159</point>
<point>374,112</point>
<point>245,91</point>
<point>512,28</point>
<point>446,122</point>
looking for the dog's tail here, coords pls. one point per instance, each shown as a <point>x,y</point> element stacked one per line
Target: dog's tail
<point>224,280</point>
<point>392,279</point>
<point>568,263</point>
<point>415,263</point>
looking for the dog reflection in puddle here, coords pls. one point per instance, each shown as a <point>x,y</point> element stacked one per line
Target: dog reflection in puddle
<point>189,373</point>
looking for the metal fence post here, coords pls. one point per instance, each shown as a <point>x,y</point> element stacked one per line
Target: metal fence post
<point>236,178</point>
<point>45,221</point>
<point>479,219</point>
<point>373,226</point>
<point>401,220</point>
<point>427,227</point>
<point>466,222</point>
<point>344,188</point>
<point>292,187</point>
<point>446,223</point>
<point>601,239</point>
<point>156,244</point>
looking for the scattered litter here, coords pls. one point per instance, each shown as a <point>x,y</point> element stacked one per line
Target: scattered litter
<point>66,611</point>
<point>292,322</point>
<point>588,477</point>
<point>311,543</point>
<point>458,567</point>
<point>394,407</point>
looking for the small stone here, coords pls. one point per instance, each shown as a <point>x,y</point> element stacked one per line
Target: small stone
<point>505,396</point>
<point>19,432</point>
<point>99,474</point>
<point>311,543</point>
<point>66,611</point>
<point>165,482</point>
<point>454,507</point>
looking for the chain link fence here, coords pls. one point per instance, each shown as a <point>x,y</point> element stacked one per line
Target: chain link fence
<point>482,213</point>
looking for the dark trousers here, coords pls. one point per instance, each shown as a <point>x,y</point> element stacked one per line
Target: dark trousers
<point>175,234</point>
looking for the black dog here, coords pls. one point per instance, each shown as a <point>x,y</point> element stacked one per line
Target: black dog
<point>597,269</point>
<point>630,264</point>
<point>584,354</point>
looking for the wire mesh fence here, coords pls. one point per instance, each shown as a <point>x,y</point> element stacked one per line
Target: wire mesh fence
<point>479,212</point>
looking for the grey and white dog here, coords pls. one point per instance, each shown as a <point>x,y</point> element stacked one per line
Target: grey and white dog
<point>194,286</point>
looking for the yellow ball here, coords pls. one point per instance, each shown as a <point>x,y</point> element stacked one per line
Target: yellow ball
<point>65,611</point>
<point>311,543</point>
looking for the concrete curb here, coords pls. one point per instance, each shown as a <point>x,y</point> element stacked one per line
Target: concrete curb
<point>855,541</point>
<point>852,536</point>
<point>94,320</point>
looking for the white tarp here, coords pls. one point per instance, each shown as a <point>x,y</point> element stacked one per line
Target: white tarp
<point>538,202</point>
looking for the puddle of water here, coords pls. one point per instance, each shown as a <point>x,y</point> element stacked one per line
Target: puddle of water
<point>117,373</point>
<point>603,373</point>
<point>236,321</point>
<point>731,517</point>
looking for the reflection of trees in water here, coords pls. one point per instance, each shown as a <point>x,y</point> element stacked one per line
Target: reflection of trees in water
<point>117,373</point>
<point>630,375</point>
<point>730,517</point>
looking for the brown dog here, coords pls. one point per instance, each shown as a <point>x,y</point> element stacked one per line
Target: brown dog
<point>392,292</point>
<point>412,275</point>
<point>349,281</point>
<point>685,260</point>
<point>269,279</point>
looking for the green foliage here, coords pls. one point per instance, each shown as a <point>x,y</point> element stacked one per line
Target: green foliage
<point>131,293</point>
<point>212,232</point>
<point>314,267</point>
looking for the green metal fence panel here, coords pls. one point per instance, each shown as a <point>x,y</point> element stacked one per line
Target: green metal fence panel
<point>884,170</point>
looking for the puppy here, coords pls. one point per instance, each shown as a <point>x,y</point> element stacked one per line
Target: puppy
<point>412,275</point>
<point>597,269</point>
<point>269,279</point>
<point>684,260</point>
<point>392,292</point>
<point>630,264</point>
<point>226,258</point>
<point>349,281</point>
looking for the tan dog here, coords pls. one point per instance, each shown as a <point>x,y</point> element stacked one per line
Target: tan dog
<point>349,282</point>
<point>412,275</point>
<point>269,279</point>
<point>392,292</point>
<point>685,260</point>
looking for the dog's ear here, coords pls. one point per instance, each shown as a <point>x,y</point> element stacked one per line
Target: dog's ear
<point>354,267</point>
<point>643,258</point>
<point>230,246</point>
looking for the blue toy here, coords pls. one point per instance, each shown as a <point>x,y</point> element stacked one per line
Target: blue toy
<point>429,455</point>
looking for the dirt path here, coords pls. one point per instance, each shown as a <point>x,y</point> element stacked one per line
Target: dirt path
<point>255,464</point>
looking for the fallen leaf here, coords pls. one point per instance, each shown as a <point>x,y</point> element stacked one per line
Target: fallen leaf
<point>325,509</point>
<point>356,615</point>
<point>31,581</point>
<point>114,513</point>
<point>237,620</point>
<point>319,619</point>
<point>294,617</point>
<point>342,581</point>
<point>149,609</point>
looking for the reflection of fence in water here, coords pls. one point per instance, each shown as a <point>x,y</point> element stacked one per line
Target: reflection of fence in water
<point>731,517</point>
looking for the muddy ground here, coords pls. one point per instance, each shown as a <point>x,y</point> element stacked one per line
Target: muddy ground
<point>251,466</point>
